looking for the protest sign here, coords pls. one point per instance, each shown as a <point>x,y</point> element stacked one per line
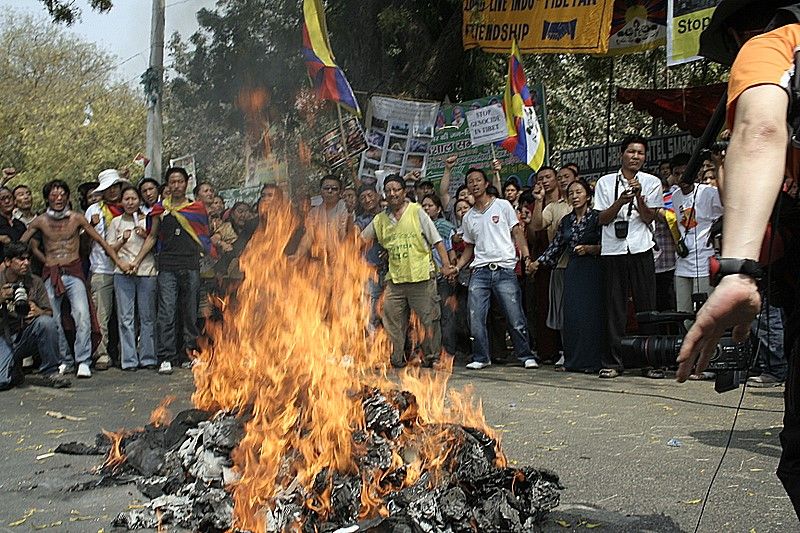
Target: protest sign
<point>453,138</point>
<point>539,26</point>
<point>337,153</point>
<point>685,22</point>
<point>399,134</point>
<point>487,124</point>
<point>638,25</point>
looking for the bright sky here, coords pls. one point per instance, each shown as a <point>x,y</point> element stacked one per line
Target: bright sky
<point>125,30</point>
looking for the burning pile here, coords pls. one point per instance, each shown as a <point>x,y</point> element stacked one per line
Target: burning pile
<point>298,426</point>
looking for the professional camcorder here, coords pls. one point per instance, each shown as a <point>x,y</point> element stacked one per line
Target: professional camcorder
<point>730,360</point>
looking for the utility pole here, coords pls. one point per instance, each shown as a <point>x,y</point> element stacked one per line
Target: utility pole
<point>153,81</point>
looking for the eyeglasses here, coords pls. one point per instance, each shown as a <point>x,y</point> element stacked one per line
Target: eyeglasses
<point>6,198</point>
<point>330,188</point>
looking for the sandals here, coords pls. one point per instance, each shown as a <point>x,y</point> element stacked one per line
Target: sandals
<point>609,373</point>
<point>654,373</point>
<point>702,376</point>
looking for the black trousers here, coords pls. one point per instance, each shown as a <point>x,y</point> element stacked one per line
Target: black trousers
<point>665,291</point>
<point>629,274</point>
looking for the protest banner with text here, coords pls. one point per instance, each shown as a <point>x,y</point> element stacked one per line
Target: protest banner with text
<point>685,22</point>
<point>539,26</point>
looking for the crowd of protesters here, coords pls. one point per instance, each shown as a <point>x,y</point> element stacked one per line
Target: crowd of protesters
<point>128,275</point>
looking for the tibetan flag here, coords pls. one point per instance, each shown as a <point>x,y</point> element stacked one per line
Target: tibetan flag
<point>191,216</point>
<point>525,139</point>
<point>328,79</point>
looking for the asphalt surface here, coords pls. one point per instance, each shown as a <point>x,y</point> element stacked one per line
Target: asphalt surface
<point>607,439</point>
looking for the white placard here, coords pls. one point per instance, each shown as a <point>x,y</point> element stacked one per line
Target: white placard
<point>487,125</point>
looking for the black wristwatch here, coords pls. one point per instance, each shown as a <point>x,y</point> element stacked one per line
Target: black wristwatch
<point>720,267</point>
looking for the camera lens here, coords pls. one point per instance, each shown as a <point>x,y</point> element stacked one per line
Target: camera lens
<point>656,350</point>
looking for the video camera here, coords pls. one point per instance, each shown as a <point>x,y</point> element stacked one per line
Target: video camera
<point>730,360</point>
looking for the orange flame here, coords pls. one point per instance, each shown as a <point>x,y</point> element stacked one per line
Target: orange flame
<point>161,415</point>
<point>115,457</point>
<point>293,354</point>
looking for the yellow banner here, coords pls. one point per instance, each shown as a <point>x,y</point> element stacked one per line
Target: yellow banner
<point>539,26</point>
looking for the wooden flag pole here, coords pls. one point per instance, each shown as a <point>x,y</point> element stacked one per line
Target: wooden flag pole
<point>498,181</point>
<point>344,144</point>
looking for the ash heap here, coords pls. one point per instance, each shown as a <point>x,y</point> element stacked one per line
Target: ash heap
<point>299,427</point>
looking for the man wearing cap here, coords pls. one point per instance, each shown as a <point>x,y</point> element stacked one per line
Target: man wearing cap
<point>100,265</point>
<point>408,234</point>
<point>757,161</point>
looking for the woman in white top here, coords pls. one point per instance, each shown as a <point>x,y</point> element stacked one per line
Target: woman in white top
<point>126,235</point>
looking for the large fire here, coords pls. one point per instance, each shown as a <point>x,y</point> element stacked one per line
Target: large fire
<point>292,356</point>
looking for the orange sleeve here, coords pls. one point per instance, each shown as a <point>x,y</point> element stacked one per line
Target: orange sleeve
<point>767,59</point>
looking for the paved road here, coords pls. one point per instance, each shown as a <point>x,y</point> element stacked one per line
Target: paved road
<point>606,439</point>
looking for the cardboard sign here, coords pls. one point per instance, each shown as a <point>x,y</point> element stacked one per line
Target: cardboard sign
<point>487,125</point>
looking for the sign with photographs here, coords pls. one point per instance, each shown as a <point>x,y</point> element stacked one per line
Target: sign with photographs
<point>638,25</point>
<point>337,153</point>
<point>686,20</point>
<point>399,134</point>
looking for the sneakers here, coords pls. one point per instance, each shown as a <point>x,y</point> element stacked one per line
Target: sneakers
<point>102,363</point>
<point>477,365</point>
<point>165,368</point>
<point>84,371</point>
<point>64,369</point>
<point>764,380</point>
<point>560,362</point>
<point>531,363</point>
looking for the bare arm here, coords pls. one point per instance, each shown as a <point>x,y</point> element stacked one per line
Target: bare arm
<point>519,239</point>
<point>466,257</point>
<point>758,148</point>
<point>31,231</point>
<point>496,167</point>
<point>36,250</point>
<point>537,220</point>
<point>444,185</point>
<point>91,232</point>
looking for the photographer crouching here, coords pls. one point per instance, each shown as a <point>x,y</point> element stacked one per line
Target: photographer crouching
<point>26,322</point>
<point>759,95</point>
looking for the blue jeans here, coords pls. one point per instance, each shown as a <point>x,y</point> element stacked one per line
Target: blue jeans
<point>134,292</point>
<point>183,284</point>
<point>40,336</point>
<point>771,356</point>
<point>503,284</point>
<point>75,291</point>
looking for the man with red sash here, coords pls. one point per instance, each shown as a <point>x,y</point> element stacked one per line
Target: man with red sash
<point>179,229</point>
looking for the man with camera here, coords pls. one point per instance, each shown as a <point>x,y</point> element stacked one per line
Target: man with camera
<point>757,159</point>
<point>627,200</point>
<point>26,320</point>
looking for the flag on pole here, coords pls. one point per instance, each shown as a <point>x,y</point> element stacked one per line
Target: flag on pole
<point>525,139</point>
<point>328,79</point>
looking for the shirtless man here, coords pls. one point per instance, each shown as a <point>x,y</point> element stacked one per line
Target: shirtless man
<point>63,274</point>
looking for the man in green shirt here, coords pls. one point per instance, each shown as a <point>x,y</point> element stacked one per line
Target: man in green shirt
<point>408,234</point>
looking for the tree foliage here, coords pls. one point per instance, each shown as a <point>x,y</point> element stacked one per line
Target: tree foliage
<point>65,11</point>
<point>61,113</point>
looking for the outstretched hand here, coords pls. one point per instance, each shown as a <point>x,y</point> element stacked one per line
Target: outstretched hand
<point>733,304</point>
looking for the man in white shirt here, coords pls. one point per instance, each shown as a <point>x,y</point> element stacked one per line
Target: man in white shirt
<point>627,200</point>
<point>487,232</point>
<point>697,207</point>
<point>101,266</point>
